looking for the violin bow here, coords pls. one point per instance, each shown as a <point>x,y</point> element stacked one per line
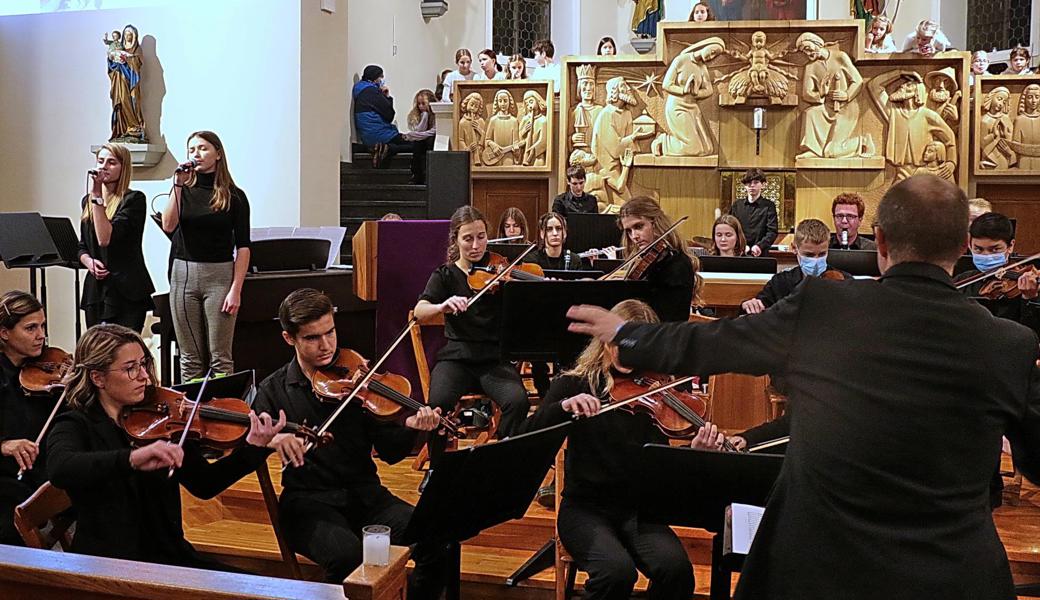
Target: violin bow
<point>43,430</point>
<point>998,272</point>
<point>628,262</point>
<point>500,275</point>
<point>626,401</point>
<point>191,417</point>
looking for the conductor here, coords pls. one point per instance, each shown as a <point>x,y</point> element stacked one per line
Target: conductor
<point>894,438</point>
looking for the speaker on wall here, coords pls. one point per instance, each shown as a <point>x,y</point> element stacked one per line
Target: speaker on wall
<point>447,183</point>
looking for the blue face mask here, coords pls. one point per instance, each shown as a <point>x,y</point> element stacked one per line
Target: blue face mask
<point>986,262</point>
<point>813,267</point>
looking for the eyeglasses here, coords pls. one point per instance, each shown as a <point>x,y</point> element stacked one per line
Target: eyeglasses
<point>134,371</point>
<point>841,217</point>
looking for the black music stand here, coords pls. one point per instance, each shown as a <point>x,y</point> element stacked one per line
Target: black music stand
<point>288,254</point>
<point>236,385</point>
<point>27,243</point>
<point>710,481</point>
<point>737,264</point>
<point>591,230</point>
<point>480,487</point>
<point>66,241</point>
<point>854,262</point>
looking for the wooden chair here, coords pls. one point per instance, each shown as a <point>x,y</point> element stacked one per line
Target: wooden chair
<point>40,522</point>
<point>566,570</point>
<point>263,477</point>
<point>467,401</point>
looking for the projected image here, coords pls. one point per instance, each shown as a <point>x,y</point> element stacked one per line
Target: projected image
<point>736,10</point>
<point>32,7</point>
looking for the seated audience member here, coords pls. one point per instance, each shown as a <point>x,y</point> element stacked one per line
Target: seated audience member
<point>334,490</point>
<point>810,245</point>
<point>374,117</point>
<point>552,235</point>
<point>978,207</point>
<point>489,69</point>
<point>728,236</point>
<point>979,65</point>
<point>464,72</point>
<point>1018,62</point>
<point>23,337</point>
<point>517,67</point>
<point>879,38</point>
<point>126,505</point>
<point>757,215</point>
<point>547,70</point>
<point>926,40</point>
<point>847,210</point>
<point>992,243</point>
<point>701,13</point>
<point>513,223</point>
<point>422,123</point>
<point>575,200</point>
<point>606,47</point>
<point>599,522</point>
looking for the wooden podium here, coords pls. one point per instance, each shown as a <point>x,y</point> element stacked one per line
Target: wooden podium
<point>366,251</point>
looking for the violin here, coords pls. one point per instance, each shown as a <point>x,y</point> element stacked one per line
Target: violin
<point>43,375</point>
<point>384,396</point>
<point>480,277</point>
<point>652,254</point>
<point>833,275</point>
<point>1005,285</point>
<point>220,423</point>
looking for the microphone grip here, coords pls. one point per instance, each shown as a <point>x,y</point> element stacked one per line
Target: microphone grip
<point>92,172</point>
<point>188,166</point>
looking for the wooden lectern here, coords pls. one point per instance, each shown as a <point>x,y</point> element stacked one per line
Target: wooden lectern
<point>366,250</point>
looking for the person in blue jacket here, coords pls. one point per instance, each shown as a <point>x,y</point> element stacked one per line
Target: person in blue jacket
<point>374,119</point>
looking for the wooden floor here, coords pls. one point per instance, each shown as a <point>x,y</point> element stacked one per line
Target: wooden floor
<point>235,528</point>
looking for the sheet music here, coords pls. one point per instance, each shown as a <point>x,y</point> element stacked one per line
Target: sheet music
<point>741,525</point>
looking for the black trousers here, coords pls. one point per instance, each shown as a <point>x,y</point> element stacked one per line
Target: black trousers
<point>12,493</point>
<point>418,150</point>
<point>611,544</point>
<point>452,379</point>
<point>326,528</point>
<point>131,317</point>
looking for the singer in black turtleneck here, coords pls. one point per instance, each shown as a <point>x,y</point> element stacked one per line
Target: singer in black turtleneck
<point>848,211</point>
<point>208,216</point>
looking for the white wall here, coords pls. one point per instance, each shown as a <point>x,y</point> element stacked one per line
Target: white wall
<point>231,66</point>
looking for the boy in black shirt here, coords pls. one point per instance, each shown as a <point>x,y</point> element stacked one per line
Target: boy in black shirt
<point>757,215</point>
<point>575,200</point>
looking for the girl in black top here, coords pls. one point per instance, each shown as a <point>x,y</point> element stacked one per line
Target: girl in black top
<point>513,223</point>
<point>598,521</point>
<point>208,216</point>
<point>23,334</point>
<point>126,506</point>
<point>470,361</point>
<point>552,235</point>
<point>117,288</point>
<point>673,277</point>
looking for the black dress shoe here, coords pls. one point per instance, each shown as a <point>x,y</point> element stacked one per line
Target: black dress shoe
<point>425,480</point>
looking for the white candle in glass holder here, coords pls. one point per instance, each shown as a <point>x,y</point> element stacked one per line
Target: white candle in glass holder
<point>375,545</point>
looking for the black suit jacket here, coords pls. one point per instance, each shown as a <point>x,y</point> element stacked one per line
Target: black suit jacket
<point>124,256</point>
<point>894,439</point>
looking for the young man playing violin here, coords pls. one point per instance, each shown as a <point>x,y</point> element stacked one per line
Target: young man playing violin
<point>23,334</point>
<point>811,239</point>
<point>332,491</point>
<point>673,276</point>
<point>127,506</point>
<point>598,521</point>
<point>992,243</point>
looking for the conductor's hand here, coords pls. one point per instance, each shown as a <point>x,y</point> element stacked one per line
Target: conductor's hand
<point>157,455</point>
<point>24,452</point>
<point>597,322</point>
<point>453,306</point>
<point>262,428</point>
<point>427,419</point>
<point>753,306</point>
<point>290,448</point>
<point>708,438</point>
<point>582,405</point>
<point>1028,284</point>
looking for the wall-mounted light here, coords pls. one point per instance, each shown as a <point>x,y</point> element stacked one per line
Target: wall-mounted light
<point>432,9</point>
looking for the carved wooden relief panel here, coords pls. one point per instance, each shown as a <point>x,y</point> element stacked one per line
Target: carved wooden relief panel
<point>508,126</point>
<point>1007,125</point>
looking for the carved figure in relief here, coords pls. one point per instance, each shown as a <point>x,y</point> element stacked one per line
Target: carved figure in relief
<point>613,136</point>
<point>830,84</point>
<point>1026,139</point>
<point>585,113</point>
<point>688,81</point>
<point>935,162</point>
<point>472,125</point>
<point>533,130</point>
<point>911,124</point>
<point>760,78</point>
<point>995,130</point>
<point>502,143</point>
<point>943,95</point>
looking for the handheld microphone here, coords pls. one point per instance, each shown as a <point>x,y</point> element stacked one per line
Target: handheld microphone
<point>92,172</point>
<point>188,166</point>
<point>845,239</point>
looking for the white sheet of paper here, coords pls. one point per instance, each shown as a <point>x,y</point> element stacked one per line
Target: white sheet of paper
<point>743,524</point>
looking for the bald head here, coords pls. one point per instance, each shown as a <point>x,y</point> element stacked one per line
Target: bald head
<point>923,219</point>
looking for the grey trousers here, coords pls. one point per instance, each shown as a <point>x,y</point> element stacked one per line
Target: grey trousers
<point>204,333</point>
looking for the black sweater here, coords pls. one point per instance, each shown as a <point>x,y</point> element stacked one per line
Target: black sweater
<point>207,236</point>
<point>128,281</point>
<point>671,286</point>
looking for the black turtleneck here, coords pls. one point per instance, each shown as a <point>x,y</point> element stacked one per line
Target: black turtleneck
<point>207,236</point>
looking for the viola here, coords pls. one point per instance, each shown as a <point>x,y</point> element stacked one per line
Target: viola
<point>43,375</point>
<point>384,396</point>
<point>220,423</point>
<point>1005,285</point>
<point>480,277</point>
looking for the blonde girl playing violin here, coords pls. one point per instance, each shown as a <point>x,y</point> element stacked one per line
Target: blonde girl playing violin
<point>126,505</point>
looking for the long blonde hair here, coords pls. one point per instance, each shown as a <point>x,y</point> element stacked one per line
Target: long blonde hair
<point>114,198</point>
<point>223,184</point>
<point>96,351</point>
<point>645,207</point>
<point>594,364</point>
<point>414,116</point>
